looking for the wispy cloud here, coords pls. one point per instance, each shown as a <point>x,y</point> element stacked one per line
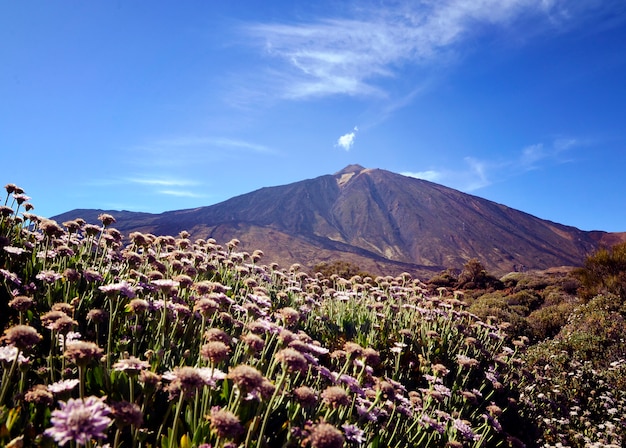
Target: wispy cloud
<point>161,182</point>
<point>351,55</point>
<point>347,140</point>
<point>213,142</point>
<point>167,185</point>
<point>472,176</point>
<point>478,177</point>
<point>430,175</point>
<point>176,154</point>
<point>531,155</point>
<point>475,173</point>
<point>181,193</point>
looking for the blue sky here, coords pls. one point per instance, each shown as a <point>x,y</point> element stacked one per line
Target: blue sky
<point>155,106</point>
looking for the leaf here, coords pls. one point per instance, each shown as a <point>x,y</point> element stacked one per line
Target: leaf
<point>185,441</point>
<point>12,418</point>
<point>375,443</point>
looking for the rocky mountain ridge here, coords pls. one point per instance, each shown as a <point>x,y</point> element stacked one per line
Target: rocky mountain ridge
<point>383,222</point>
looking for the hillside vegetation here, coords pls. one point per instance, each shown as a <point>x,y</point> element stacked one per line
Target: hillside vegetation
<point>169,342</point>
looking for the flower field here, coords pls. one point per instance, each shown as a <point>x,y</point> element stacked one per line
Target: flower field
<point>160,341</point>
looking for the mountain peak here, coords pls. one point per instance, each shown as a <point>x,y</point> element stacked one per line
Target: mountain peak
<point>351,169</point>
<point>348,173</point>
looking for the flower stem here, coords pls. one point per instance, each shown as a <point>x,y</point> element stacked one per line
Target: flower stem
<point>268,411</point>
<point>5,385</point>
<point>81,377</point>
<point>172,440</point>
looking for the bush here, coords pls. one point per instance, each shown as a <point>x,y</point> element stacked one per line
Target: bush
<point>343,269</point>
<point>546,322</point>
<point>445,279</point>
<point>604,272</point>
<point>495,306</point>
<point>577,390</point>
<point>474,276</point>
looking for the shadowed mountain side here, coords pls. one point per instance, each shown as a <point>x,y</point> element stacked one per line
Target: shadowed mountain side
<point>382,221</point>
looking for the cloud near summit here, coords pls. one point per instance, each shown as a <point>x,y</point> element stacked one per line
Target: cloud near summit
<point>347,140</point>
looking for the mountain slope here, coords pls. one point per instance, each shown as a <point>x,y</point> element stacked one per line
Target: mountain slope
<point>382,221</point>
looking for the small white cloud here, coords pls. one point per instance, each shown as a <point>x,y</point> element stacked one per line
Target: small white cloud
<point>347,140</point>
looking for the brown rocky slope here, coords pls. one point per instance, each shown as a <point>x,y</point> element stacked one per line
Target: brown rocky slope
<point>382,221</point>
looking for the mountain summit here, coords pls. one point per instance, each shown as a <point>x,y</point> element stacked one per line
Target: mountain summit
<point>382,221</point>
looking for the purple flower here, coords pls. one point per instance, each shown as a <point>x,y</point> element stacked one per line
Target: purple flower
<point>131,365</point>
<point>21,198</point>
<point>165,284</point>
<point>14,250</point>
<point>492,375</point>
<point>191,379</point>
<point>430,422</point>
<point>123,287</point>
<point>79,421</point>
<point>92,275</point>
<point>11,276</point>
<point>443,390</point>
<point>465,429</point>
<point>495,424</point>
<point>353,433</point>
<point>48,276</point>
<point>69,337</point>
<point>326,373</point>
<point>367,411</point>
<point>8,354</point>
<point>63,386</point>
<point>352,383</point>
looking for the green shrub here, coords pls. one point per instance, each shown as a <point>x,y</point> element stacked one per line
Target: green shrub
<point>495,306</point>
<point>604,272</point>
<point>546,322</point>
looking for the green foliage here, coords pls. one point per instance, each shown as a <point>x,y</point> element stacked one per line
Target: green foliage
<point>446,279</point>
<point>546,322</point>
<point>496,307</point>
<point>343,269</point>
<point>604,272</point>
<point>511,279</point>
<point>474,276</point>
<point>525,301</point>
<point>578,378</point>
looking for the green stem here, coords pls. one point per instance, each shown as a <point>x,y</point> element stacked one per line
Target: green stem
<point>117,438</point>
<point>131,387</point>
<point>176,414</point>
<point>5,384</point>
<point>81,377</point>
<point>167,414</point>
<point>110,335</point>
<point>268,411</point>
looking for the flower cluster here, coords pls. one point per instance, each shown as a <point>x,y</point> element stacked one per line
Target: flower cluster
<point>165,341</point>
